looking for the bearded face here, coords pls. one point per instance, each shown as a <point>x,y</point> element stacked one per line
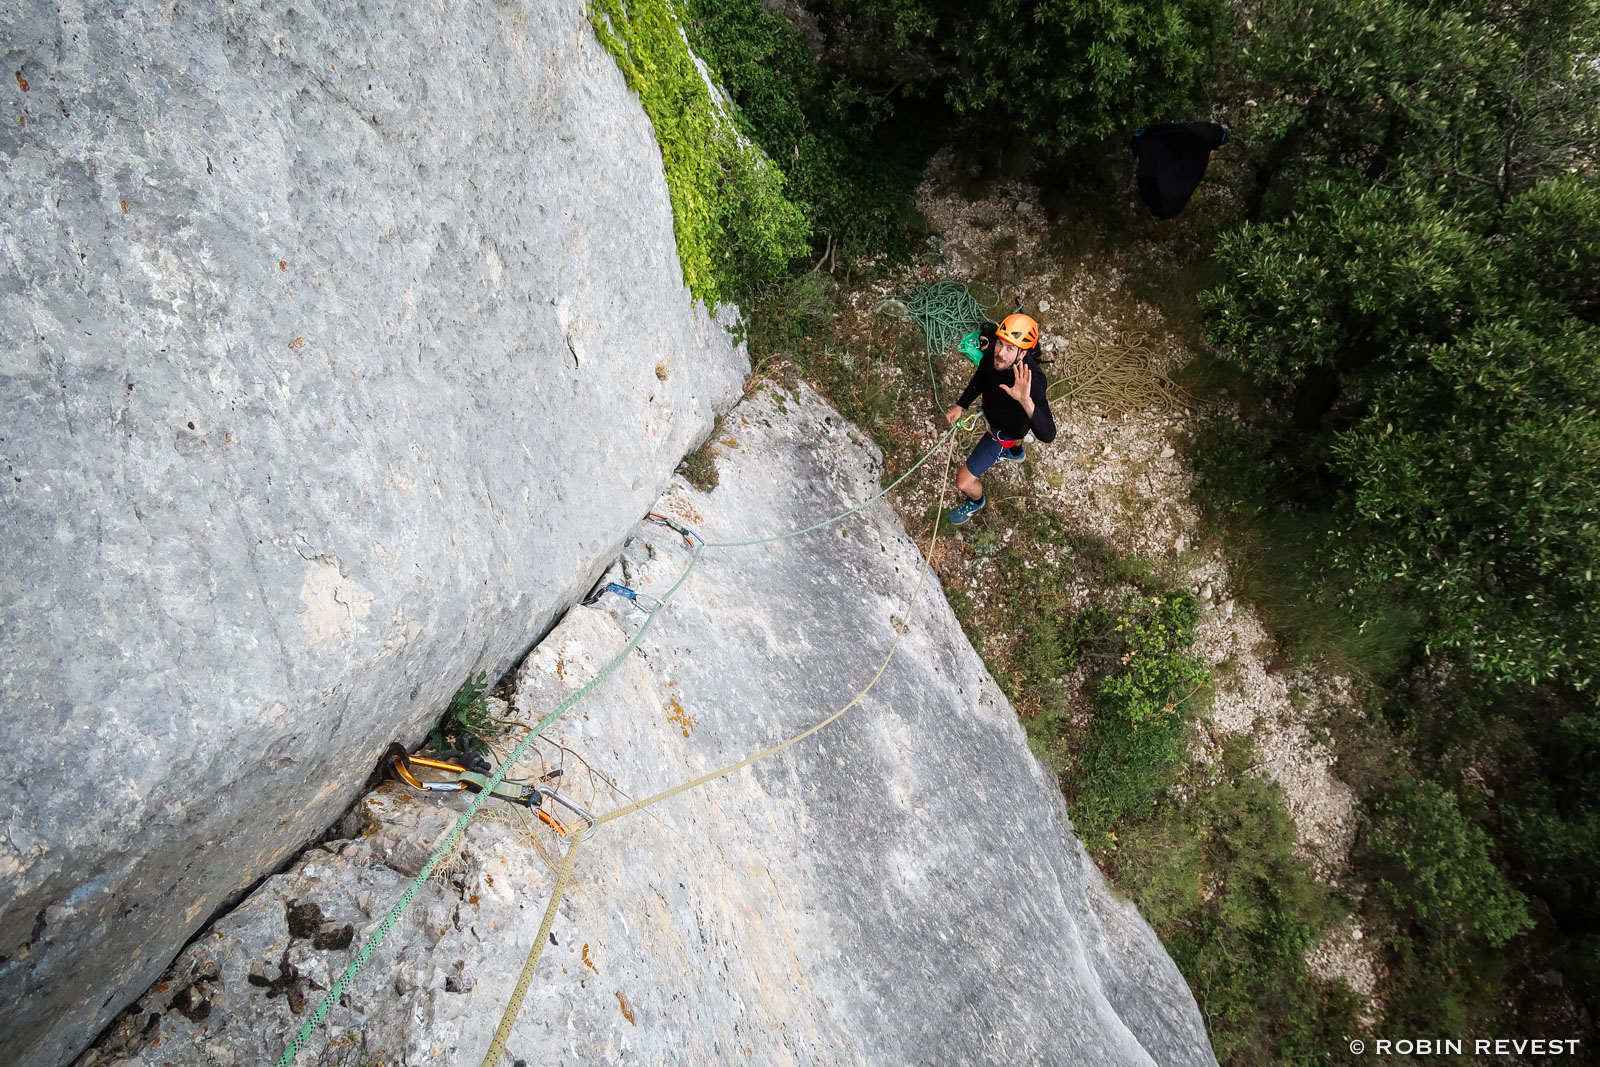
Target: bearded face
<point>1006,354</point>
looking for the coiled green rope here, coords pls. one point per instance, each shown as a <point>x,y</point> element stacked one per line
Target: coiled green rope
<point>945,311</point>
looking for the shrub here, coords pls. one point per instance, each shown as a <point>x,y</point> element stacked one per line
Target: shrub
<point>1434,867</point>
<point>466,722</point>
<point>1136,742</point>
<point>1218,879</point>
<point>1124,768</point>
<point>1155,676</point>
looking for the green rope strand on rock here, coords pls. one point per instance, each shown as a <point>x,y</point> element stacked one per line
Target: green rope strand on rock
<point>370,945</point>
<point>844,514</point>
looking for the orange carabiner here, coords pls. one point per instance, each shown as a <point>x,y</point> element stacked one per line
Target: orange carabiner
<point>402,766</point>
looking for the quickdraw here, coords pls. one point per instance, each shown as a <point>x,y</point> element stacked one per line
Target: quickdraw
<point>690,538</point>
<point>531,797</point>
<point>622,591</point>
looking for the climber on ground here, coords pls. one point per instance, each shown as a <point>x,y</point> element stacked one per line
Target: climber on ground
<point>1014,403</point>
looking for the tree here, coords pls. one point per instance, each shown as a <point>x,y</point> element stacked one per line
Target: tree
<point>1422,314</point>
<point>1475,485</point>
<point>1470,449</point>
<point>1435,868</point>
<point>1480,98</point>
<point>1058,74</point>
<point>1356,276</point>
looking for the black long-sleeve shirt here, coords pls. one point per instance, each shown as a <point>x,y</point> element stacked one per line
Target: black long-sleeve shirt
<point>1006,417</point>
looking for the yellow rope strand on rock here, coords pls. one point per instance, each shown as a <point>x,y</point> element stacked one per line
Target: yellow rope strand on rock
<point>447,844</point>
<point>502,1033</point>
<point>508,1019</point>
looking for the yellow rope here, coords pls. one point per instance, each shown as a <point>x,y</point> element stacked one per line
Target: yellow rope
<point>1111,377</point>
<point>502,1033</point>
<point>1117,378</point>
<point>1108,378</point>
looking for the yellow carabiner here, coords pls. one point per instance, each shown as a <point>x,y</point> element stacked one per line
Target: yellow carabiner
<point>402,766</point>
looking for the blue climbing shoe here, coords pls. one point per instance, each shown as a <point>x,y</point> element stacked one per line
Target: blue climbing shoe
<point>962,512</point>
<point>1016,453</point>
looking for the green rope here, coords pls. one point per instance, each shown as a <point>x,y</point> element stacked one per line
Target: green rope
<point>945,311</point>
<point>448,841</point>
<point>933,380</point>
<point>370,945</point>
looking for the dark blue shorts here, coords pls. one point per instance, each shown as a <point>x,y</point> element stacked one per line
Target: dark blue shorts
<point>984,455</point>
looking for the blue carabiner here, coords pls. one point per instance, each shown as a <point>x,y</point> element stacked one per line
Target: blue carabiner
<point>624,592</point>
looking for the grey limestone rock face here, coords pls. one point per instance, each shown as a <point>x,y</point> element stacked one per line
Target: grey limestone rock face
<point>902,887</point>
<point>342,344</point>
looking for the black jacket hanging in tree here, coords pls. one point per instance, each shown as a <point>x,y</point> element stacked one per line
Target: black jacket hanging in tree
<point>1172,160</point>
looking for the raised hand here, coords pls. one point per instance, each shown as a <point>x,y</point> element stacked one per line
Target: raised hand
<point>1022,384</point>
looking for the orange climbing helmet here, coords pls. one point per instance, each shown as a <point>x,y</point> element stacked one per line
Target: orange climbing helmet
<point>1020,330</point>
